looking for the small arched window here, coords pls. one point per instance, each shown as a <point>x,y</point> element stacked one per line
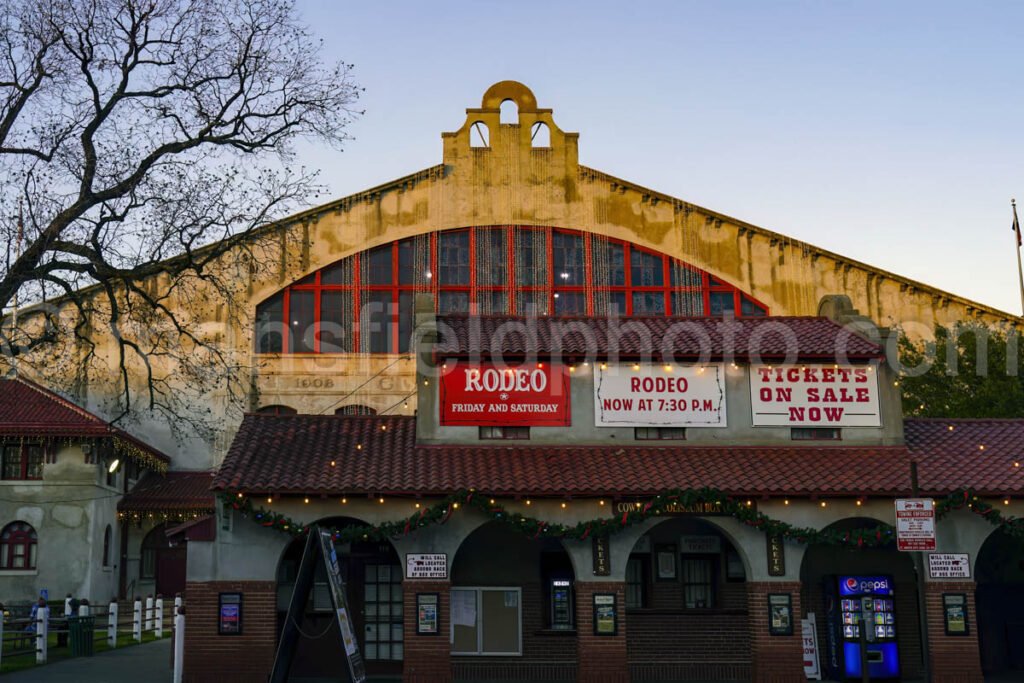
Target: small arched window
<point>355,409</point>
<point>18,546</point>
<point>540,135</point>
<point>107,533</point>
<point>479,135</point>
<point>509,112</point>
<point>277,410</point>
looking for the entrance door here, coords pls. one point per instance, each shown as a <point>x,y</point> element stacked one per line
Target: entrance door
<point>382,616</point>
<point>171,564</point>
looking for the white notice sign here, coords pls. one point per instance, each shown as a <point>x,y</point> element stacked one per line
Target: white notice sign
<point>808,628</point>
<point>915,524</point>
<point>428,566</point>
<point>659,395</point>
<point>949,566</point>
<point>814,396</point>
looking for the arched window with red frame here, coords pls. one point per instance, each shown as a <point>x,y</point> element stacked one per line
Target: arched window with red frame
<point>364,303</point>
<point>18,546</point>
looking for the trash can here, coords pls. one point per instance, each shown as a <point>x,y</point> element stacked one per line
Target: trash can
<point>80,636</point>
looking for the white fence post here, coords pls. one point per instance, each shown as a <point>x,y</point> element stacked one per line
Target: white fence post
<point>159,617</point>
<point>67,606</point>
<point>137,621</point>
<point>112,624</point>
<point>149,612</point>
<point>179,646</point>
<point>42,632</point>
<point>1,637</point>
<point>177,604</point>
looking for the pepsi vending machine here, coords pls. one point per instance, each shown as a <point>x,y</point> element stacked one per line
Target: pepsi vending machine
<point>866,602</point>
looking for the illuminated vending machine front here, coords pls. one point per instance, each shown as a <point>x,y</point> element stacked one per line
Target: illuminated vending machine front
<point>866,602</point>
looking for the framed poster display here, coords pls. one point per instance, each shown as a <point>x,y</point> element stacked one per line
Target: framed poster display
<point>780,614</point>
<point>954,613</point>
<point>606,619</point>
<point>665,562</point>
<point>427,614</point>
<point>229,614</point>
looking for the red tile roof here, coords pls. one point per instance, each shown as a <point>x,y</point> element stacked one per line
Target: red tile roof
<point>28,409</point>
<point>177,491</point>
<point>293,454</point>
<point>771,338</point>
<point>984,454</point>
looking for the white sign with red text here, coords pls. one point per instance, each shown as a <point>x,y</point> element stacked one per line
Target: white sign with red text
<point>659,395</point>
<point>915,524</point>
<point>814,396</point>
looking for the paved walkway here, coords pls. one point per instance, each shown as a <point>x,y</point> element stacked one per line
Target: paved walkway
<point>150,663</point>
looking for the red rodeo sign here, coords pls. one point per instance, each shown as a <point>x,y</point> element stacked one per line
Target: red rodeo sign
<point>494,395</point>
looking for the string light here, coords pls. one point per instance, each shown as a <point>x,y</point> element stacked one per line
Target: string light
<point>270,500</point>
<point>344,501</point>
<point>455,505</point>
<point>859,502</point>
<point>492,501</point>
<point>527,501</point>
<point>981,447</point>
<point>332,463</point>
<point>563,505</point>
<point>785,502</point>
<point>600,502</point>
<point>381,500</point>
<point>359,446</point>
<point>822,503</point>
<point>306,501</point>
<point>950,428</point>
<point>1006,501</point>
<point>417,506</point>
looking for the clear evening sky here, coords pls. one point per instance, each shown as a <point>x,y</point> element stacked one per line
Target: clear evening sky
<point>888,132</point>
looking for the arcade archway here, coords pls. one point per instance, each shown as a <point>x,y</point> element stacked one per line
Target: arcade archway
<point>999,572</point>
<point>373,583</point>
<point>513,612</point>
<point>836,583</point>
<point>686,604</point>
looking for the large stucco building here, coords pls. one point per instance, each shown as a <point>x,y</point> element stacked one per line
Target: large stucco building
<point>346,425</point>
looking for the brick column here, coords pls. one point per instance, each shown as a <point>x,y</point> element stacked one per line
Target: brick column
<point>775,659</point>
<point>954,659</point>
<point>213,658</point>
<point>602,659</point>
<point>427,658</point>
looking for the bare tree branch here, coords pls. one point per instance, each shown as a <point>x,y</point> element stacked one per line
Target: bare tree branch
<point>147,141</point>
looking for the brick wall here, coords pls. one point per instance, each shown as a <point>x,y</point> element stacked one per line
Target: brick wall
<point>776,659</point>
<point>954,659</point>
<point>602,659</point>
<point>427,658</point>
<point>213,658</point>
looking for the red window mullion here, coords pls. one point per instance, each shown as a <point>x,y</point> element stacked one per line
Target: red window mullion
<point>356,305</point>
<point>510,247</point>
<point>316,314</point>
<point>286,317</point>
<point>666,281</point>
<point>549,244</point>
<point>705,293</point>
<point>588,272</point>
<point>473,293</point>
<point>627,258</point>
<point>393,314</point>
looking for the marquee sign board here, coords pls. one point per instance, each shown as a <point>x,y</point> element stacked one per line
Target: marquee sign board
<point>499,395</point>
<point>814,396</point>
<point>659,395</point>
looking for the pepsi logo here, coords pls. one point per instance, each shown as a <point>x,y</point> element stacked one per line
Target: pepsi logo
<point>851,584</point>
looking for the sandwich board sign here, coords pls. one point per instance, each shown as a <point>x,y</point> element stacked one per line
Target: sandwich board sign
<point>319,548</point>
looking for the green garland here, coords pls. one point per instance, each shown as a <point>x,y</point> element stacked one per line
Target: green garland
<point>439,513</point>
<point>961,498</point>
